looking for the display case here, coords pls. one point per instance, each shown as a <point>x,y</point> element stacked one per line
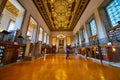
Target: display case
<point>21,52</point>
<point>117,33</point>
<point>2,50</point>
<point>11,52</point>
<point>114,33</point>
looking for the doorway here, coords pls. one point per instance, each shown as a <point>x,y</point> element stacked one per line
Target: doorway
<point>61,45</point>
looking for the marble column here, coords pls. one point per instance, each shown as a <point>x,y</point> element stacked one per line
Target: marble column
<point>79,38</point>
<point>48,39</point>
<point>72,40</point>
<point>64,43</point>
<point>85,34</point>
<point>27,48</point>
<point>42,36</point>
<point>37,34</point>
<point>34,34</point>
<point>100,26</point>
<point>57,44</point>
<point>76,39</point>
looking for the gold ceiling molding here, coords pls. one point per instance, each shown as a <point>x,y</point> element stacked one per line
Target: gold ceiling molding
<point>11,8</point>
<point>61,15</point>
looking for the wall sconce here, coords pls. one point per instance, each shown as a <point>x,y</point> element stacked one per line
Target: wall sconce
<point>109,43</point>
<point>113,49</point>
<point>53,44</point>
<point>68,44</point>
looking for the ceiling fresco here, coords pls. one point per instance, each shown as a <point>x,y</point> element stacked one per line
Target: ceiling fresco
<point>61,15</point>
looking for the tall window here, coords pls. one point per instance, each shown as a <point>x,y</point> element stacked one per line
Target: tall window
<point>77,35</point>
<point>82,34</point>
<point>92,26</point>
<point>11,26</point>
<point>77,38</point>
<point>113,10</point>
<point>48,39</point>
<point>45,36</point>
<point>40,34</point>
<point>30,32</point>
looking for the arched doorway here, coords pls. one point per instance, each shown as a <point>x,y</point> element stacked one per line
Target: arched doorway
<point>61,45</point>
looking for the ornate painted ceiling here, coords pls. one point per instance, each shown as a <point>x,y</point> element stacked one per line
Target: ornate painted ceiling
<point>61,15</point>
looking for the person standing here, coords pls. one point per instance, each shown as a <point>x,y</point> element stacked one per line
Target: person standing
<point>67,54</point>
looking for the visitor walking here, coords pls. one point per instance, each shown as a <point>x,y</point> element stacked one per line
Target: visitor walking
<point>67,54</point>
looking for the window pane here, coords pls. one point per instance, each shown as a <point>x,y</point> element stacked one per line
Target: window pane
<point>93,27</point>
<point>82,34</point>
<point>45,36</point>
<point>48,39</point>
<point>30,32</point>
<point>11,26</point>
<point>113,11</point>
<point>40,34</point>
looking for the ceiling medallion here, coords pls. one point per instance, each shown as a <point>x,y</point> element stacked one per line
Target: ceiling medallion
<point>61,15</point>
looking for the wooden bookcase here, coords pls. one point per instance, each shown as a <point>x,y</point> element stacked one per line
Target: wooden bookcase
<point>114,33</point>
<point>10,52</point>
<point>2,51</point>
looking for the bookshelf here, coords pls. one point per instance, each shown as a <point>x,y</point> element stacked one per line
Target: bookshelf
<point>10,52</point>
<point>114,33</point>
<point>2,50</point>
<point>117,33</point>
<point>21,52</point>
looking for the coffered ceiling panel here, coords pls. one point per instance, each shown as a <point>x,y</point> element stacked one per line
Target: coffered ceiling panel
<point>61,15</point>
